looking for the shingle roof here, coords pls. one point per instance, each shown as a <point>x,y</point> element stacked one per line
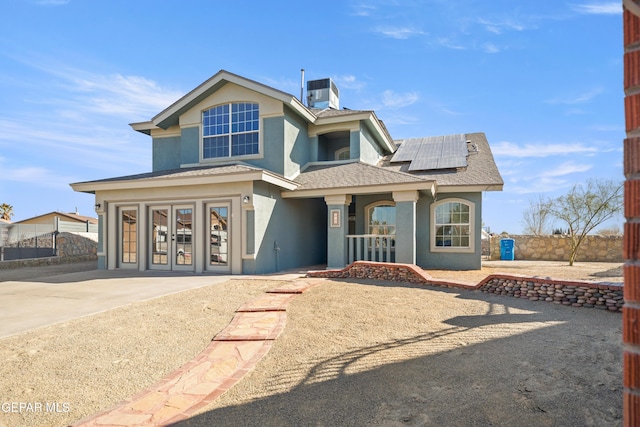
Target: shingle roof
<point>481,167</point>
<point>354,174</point>
<point>183,173</point>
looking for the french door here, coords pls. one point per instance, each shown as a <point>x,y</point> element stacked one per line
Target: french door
<point>171,237</point>
<point>219,244</point>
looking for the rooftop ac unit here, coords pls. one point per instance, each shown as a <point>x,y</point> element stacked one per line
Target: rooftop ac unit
<point>323,93</point>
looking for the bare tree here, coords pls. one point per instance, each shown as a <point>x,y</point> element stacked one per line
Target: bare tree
<point>612,231</point>
<point>537,216</point>
<point>585,208</point>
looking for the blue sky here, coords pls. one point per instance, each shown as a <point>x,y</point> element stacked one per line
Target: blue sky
<point>542,79</point>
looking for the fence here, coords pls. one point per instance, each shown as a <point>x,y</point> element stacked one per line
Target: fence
<point>21,241</point>
<point>557,248</point>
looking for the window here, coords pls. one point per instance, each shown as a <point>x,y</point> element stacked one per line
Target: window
<point>381,218</point>
<point>230,130</point>
<point>452,226</point>
<point>128,236</point>
<point>343,154</point>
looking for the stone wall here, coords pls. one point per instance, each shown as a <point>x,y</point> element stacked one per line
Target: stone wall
<point>75,244</point>
<point>557,248</point>
<point>604,296</point>
<point>71,247</point>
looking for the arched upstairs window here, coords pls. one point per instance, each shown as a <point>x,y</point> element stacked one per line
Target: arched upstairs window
<point>343,153</point>
<point>452,226</point>
<point>230,130</point>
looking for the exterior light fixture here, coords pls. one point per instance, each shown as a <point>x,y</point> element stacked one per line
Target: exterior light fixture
<point>246,199</point>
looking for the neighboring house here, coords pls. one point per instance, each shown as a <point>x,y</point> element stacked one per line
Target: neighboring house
<point>4,231</point>
<point>52,218</point>
<point>249,179</point>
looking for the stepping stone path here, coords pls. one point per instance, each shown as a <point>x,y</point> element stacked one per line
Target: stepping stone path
<point>233,353</point>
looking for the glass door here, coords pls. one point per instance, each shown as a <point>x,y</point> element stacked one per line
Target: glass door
<point>171,237</point>
<point>160,238</point>
<point>218,249</point>
<point>182,238</point>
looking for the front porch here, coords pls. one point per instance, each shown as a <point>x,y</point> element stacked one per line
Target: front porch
<point>384,228</point>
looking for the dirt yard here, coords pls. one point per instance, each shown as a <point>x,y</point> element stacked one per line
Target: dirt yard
<point>352,353</point>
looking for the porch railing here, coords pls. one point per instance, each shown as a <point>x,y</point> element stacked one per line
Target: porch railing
<point>371,247</point>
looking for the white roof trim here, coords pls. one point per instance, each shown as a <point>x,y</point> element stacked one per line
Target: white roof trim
<point>226,76</point>
<point>172,181</point>
<point>365,189</point>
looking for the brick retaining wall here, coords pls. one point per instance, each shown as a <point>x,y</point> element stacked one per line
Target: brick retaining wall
<point>600,295</point>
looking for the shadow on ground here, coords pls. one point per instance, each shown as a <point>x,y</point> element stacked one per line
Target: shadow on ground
<point>561,369</point>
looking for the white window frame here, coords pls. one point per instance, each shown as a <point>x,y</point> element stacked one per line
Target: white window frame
<point>340,152</point>
<point>373,205</point>
<point>434,227</point>
<point>230,134</point>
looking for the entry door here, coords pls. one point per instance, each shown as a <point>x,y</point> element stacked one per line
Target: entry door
<point>171,237</point>
<point>219,247</point>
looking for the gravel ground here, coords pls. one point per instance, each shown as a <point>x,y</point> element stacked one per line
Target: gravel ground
<point>353,353</point>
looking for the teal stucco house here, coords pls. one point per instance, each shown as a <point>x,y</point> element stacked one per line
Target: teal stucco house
<point>249,179</point>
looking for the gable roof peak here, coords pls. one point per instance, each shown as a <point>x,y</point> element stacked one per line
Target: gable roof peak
<point>171,114</point>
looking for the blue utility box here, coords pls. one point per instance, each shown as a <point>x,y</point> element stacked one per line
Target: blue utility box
<point>506,249</point>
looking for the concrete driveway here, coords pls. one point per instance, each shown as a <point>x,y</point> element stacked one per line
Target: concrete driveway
<point>31,303</point>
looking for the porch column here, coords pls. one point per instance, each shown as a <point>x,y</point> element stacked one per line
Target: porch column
<point>406,225</point>
<point>337,229</point>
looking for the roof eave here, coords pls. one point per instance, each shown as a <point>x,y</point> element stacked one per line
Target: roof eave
<point>170,115</point>
<point>143,127</point>
<point>258,175</point>
<point>364,189</point>
<point>469,188</point>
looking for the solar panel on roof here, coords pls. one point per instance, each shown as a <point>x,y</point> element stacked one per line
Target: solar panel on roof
<point>432,153</point>
<point>406,151</point>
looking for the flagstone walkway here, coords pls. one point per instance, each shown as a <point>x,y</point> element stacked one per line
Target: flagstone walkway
<point>233,353</point>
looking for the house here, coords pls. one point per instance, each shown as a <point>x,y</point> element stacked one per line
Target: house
<point>52,218</point>
<point>249,179</point>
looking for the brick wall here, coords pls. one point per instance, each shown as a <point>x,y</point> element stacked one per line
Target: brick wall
<point>631,246</point>
<point>558,248</point>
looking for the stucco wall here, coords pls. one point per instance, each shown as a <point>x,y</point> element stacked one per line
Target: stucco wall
<point>297,227</point>
<point>557,248</point>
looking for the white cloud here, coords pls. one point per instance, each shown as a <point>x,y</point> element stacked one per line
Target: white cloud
<point>363,10</point>
<point>498,27</point>
<point>576,99</point>
<point>399,33</point>
<point>349,82</point>
<point>36,175</point>
<point>393,100</point>
<point>548,180</point>
<point>509,149</point>
<point>563,169</point>
<point>448,43</point>
<point>490,48</point>
<point>604,8</point>
<point>116,94</point>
